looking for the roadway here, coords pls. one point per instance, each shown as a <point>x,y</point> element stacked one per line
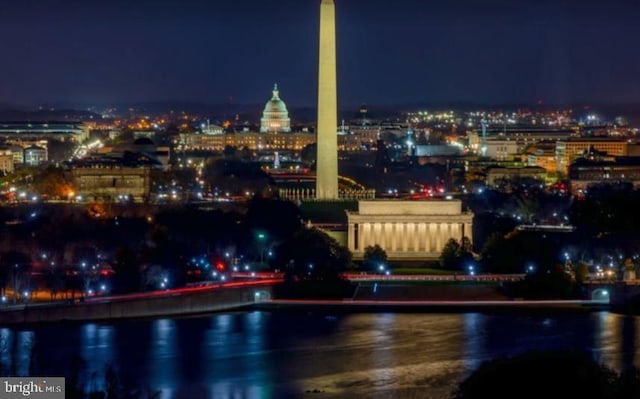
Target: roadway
<point>95,299</point>
<point>249,279</point>
<point>204,287</point>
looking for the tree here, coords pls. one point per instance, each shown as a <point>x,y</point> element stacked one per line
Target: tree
<point>548,375</point>
<point>245,153</point>
<point>449,255</point>
<point>126,136</point>
<point>456,255</point>
<point>55,279</point>
<point>235,176</point>
<point>313,255</point>
<point>466,247</point>
<point>229,151</point>
<point>59,151</point>
<point>308,153</point>
<point>516,251</point>
<point>581,272</point>
<point>599,211</point>
<point>277,218</point>
<point>19,272</point>
<point>494,257</point>
<point>51,182</point>
<point>127,273</point>
<point>374,256</point>
<point>180,177</point>
<point>382,160</point>
<point>528,207</point>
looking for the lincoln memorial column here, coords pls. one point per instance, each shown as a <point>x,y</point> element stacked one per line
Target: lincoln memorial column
<point>394,237</point>
<point>351,238</point>
<point>422,237</point>
<point>405,239</point>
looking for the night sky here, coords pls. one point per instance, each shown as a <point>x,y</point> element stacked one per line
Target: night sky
<point>389,52</point>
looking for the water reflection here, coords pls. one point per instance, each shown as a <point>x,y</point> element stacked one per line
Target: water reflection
<point>474,345</point>
<point>162,357</point>
<point>383,359</point>
<point>608,344</point>
<point>280,355</point>
<point>24,345</point>
<point>6,358</point>
<point>618,340</point>
<point>236,364</point>
<point>629,343</point>
<point>96,352</point>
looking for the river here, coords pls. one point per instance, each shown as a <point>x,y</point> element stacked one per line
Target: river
<point>277,355</point>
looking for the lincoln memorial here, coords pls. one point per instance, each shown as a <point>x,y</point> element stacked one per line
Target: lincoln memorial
<point>407,229</point>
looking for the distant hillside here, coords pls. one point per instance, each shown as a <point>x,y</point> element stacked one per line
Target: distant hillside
<point>8,114</point>
<point>303,115</point>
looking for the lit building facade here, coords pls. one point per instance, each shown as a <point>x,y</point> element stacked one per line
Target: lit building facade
<point>544,156</point>
<point>585,172</point>
<point>35,155</point>
<point>407,229</point>
<point>275,117</point>
<point>17,152</point>
<point>522,137</point>
<point>254,141</point>
<point>64,131</point>
<point>500,149</point>
<point>108,183</point>
<point>569,150</point>
<point>6,160</point>
<point>495,175</point>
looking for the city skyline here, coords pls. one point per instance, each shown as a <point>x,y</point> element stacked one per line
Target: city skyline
<point>489,53</point>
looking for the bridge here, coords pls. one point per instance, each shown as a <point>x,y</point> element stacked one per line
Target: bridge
<point>162,303</point>
<point>623,295</point>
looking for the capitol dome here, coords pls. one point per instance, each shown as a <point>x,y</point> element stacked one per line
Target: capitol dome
<point>275,117</point>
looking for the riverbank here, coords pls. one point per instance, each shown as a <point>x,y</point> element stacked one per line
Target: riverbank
<point>434,298</point>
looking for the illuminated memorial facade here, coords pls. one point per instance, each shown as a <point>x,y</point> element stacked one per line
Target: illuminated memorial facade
<point>407,229</point>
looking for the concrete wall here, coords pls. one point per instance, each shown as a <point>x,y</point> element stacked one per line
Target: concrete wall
<point>180,304</point>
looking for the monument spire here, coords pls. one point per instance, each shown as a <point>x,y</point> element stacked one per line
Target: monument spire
<point>326,130</point>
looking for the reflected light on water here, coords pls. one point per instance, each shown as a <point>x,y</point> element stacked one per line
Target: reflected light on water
<point>285,354</point>
<point>24,345</point>
<point>96,350</point>
<point>6,359</point>
<point>163,355</point>
<point>383,359</point>
<point>235,357</point>
<point>473,340</point>
<point>608,345</point>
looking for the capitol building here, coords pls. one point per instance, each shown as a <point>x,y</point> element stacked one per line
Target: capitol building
<point>274,135</point>
<point>275,117</point>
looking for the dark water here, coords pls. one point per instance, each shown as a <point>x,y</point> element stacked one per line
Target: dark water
<point>283,355</point>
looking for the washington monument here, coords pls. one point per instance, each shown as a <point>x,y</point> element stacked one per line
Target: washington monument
<point>326,131</point>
